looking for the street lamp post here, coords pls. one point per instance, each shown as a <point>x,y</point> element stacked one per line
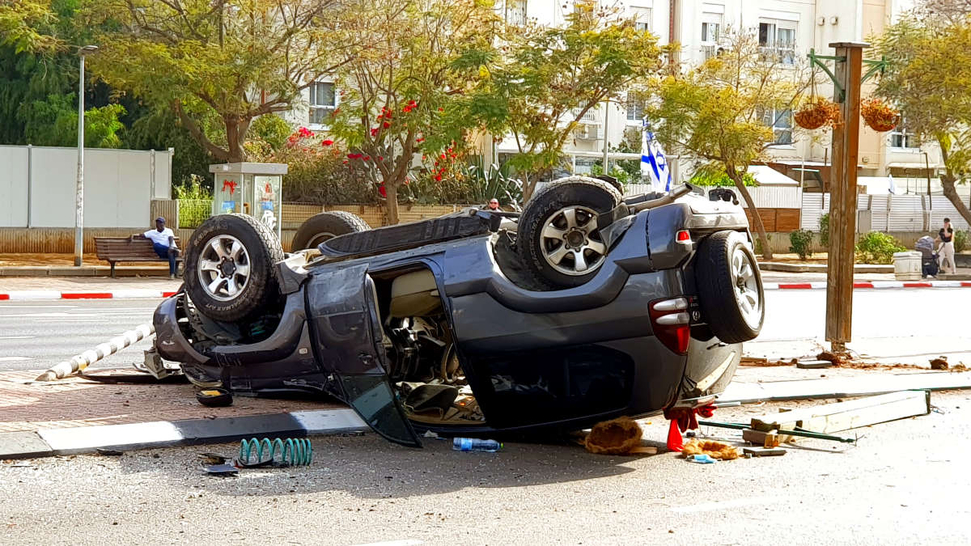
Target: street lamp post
<point>79,198</point>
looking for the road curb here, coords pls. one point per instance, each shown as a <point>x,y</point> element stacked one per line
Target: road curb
<point>158,434</point>
<point>49,295</point>
<point>875,285</point>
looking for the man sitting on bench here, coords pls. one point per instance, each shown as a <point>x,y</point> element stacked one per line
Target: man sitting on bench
<point>163,241</point>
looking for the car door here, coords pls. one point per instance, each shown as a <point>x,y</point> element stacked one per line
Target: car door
<point>346,330</point>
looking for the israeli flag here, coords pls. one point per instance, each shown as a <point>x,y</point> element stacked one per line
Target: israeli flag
<point>653,163</point>
<point>891,187</point>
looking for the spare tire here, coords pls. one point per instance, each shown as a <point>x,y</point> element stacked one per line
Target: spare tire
<point>326,225</point>
<point>558,238</point>
<point>730,287</point>
<point>229,266</point>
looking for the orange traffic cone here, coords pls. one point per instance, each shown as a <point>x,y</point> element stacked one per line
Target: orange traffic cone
<point>675,441</point>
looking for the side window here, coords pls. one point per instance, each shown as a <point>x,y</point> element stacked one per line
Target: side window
<point>323,101</point>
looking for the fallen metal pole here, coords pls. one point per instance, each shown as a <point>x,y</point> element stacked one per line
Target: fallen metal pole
<point>87,358</point>
<point>800,433</point>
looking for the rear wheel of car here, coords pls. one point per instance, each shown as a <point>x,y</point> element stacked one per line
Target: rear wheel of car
<point>558,238</point>
<point>324,226</point>
<point>229,266</point>
<point>730,287</point>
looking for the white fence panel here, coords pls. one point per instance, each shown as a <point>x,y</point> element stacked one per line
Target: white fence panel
<point>906,213</point>
<point>879,207</point>
<point>813,209</point>
<point>13,186</point>
<point>941,208</point>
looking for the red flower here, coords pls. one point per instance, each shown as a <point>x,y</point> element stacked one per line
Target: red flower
<point>442,157</point>
<point>412,103</point>
<point>367,158</point>
<point>438,177</point>
<point>419,139</point>
<point>386,125</point>
<point>375,131</point>
<point>440,109</point>
<point>327,142</point>
<point>380,158</point>
<point>407,180</point>
<point>382,190</point>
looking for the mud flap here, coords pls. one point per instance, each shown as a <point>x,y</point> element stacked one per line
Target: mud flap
<point>346,333</point>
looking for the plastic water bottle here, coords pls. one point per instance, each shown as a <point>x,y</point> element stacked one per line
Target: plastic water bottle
<point>475,444</point>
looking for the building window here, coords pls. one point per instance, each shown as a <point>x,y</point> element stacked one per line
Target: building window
<point>781,123</point>
<point>777,40</point>
<point>515,12</point>
<point>635,107</point>
<point>902,137</point>
<point>711,27</point>
<point>323,101</point>
<point>710,31</point>
<point>642,18</point>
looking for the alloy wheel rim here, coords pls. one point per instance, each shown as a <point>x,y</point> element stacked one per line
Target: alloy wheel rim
<point>570,242</point>
<point>224,267</point>
<point>746,287</point>
<point>319,238</point>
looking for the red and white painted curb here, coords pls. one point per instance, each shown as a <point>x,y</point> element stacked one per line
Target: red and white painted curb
<point>868,285</point>
<point>47,295</point>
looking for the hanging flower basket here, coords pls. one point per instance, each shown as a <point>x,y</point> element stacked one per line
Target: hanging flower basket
<point>818,112</point>
<point>880,116</point>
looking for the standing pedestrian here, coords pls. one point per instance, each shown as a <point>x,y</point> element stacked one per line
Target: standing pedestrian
<point>946,250</point>
<point>163,242</point>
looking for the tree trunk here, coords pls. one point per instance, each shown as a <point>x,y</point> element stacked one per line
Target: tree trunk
<point>391,206</point>
<point>947,183</point>
<point>759,226</point>
<point>236,129</point>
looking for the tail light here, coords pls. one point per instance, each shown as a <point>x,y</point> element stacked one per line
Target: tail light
<point>683,236</point>
<point>671,321</point>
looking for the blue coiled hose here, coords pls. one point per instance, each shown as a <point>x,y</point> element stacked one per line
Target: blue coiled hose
<point>292,451</point>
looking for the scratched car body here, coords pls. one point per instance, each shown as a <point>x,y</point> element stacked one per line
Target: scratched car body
<point>440,324</point>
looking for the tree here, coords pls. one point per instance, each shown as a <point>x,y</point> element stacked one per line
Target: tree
<point>717,111</point>
<point>26,25</point>
<point>405,92</point>
<point>928,78</point>
<point>552,76</point>
<point>217,63</point>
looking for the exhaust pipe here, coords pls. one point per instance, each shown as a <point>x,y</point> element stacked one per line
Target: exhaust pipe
<point>87,358</point>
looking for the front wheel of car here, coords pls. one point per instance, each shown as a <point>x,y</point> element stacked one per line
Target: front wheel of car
<point>730,287</point>
<point>559,237</point>
<point>229,266</point>
<point>326,225</point>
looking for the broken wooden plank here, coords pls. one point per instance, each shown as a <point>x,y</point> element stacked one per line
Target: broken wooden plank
<point>813,364</point>
<point>763,451</point>
<point>849,387</point>
<point>848,415</point>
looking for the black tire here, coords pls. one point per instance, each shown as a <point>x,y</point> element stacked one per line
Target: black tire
<point>212,255</point>
<point>731,297</point>
<point>553,262</point>
<point>326,225</point>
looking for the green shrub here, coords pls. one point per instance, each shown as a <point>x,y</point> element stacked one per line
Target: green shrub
<point>877,248</point>
<point>824,230</point>
<point>802,243</point>
<point>195,202</point>
<point>961,240</point>
<point>715,175</point>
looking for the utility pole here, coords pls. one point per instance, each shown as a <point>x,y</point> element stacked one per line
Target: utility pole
<point>79,198</point>
<point>843,194</point>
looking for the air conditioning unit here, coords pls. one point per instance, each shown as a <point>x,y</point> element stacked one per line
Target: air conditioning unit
<point>588,132</point>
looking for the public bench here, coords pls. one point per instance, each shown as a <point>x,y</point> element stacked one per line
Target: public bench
<point>126,249</point>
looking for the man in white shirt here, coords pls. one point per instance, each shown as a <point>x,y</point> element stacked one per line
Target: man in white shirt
<point>163,241</point>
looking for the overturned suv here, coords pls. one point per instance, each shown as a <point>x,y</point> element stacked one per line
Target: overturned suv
<point>585,307</point>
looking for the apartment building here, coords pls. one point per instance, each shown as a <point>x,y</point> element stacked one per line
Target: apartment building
<point>786,28</point>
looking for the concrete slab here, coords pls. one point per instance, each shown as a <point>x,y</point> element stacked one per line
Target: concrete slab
<point>23,445</point>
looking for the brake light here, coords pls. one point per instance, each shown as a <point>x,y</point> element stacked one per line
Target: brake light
<point>684,236</point>
<point>671,322</point>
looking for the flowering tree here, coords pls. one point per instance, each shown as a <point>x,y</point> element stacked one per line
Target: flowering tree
<point>404,92</point>
<point>550,77</point>
<point>217,63</point>
<point>928,77</point>
<point>717,112</point>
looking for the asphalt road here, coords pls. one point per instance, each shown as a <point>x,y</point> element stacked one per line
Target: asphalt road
<point>37,335</point>
<point>905,325</point>
<point>905,483</point>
